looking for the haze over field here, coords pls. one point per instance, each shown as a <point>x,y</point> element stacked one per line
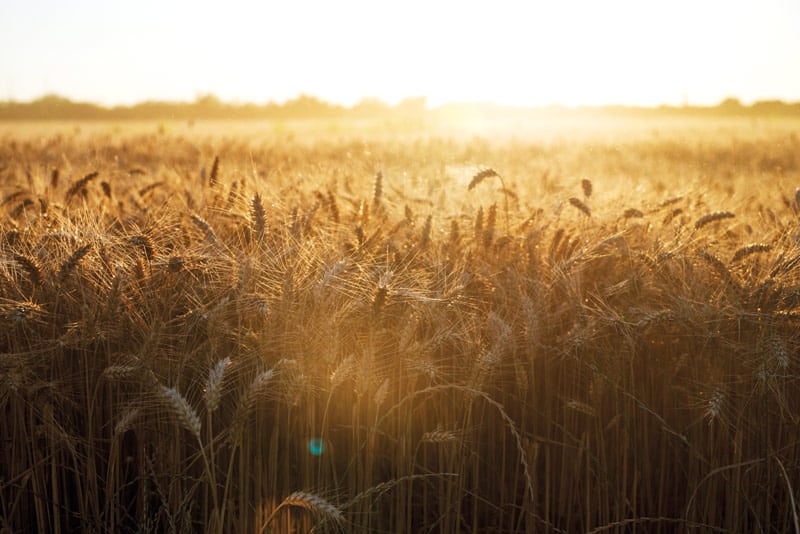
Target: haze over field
<point>570,53</point>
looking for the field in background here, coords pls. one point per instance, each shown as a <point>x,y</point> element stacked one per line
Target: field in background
<point>386,326</point>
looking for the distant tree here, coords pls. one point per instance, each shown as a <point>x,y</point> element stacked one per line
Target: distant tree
<point>412,106</point>
<point>730,104</point>
<point>370,106</point>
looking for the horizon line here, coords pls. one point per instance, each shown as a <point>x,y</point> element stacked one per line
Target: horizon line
<point>370,101</point>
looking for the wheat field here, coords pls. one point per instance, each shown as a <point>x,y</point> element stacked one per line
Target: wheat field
<point>286,329</point>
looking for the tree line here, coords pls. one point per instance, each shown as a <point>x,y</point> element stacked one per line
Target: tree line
<point>55,107</point>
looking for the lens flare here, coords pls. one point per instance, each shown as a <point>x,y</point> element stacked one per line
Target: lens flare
<point>316,446</point>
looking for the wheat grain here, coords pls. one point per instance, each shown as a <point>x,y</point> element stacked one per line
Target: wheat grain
<point>333,207</point>
<point>208,231</point>
<point>440,436</point>
<point>748,250</point>
<point>256,391</point>
<point>68,266</point>
<point>631,213</point>
<point>481,176</point>
<point>80,185</point>
<point>315,504</point>
<point>578,203</point>
<point>31,267</point>
<point>425,235</point>
<point>214,176</point>
<point>181,410</point>
<point>478,225</point>
<point>586,184</point>
<point>144,242</point>
<point>258,216</point>
<point>377,189</point>
<point>213,392</point>
<point>126,421</point>
<point>712,217</point>
<point>146,189</point>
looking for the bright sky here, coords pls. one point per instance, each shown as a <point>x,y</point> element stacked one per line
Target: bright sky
<point>533,52</point>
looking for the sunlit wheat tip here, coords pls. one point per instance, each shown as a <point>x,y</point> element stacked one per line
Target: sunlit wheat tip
<point>381,393</point>
<point>126,421</point>
<point>342,372</point>
<point>181,410</point>
<point>121,372</point>
<point>214,385</point>
<point>439,436</point>
<point>315,504</point>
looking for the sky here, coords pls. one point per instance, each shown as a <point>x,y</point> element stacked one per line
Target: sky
<point>533,53</point>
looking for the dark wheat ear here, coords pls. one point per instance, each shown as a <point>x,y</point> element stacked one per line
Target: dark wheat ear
<point>68,266</point>
<point>333,207</point>
<point>31,267</point>
<point>212,178</point>
<point>586,184</point>
<point>747,250</point>
<point>80,185</point>
<point>425,236</point>
<point>259,222</point>
<point>578,203</point>
<point>481,176</point>
<point>796,204</point>
<point>54,178</point>
<point>712,217</point>
<point>377,189</point>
